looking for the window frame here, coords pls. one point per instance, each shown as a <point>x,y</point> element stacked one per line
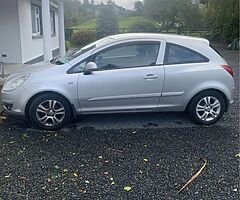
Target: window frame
<point>38,17</point>
<point>53,22</point>
<point>38,20</point>
<point>129,44</point>
<point>184,62</point>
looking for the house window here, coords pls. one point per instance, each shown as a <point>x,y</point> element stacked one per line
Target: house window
<point>36,20</point>
<point>53,28</point>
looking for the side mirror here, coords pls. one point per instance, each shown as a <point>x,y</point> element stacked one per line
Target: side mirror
<point>89,68</point>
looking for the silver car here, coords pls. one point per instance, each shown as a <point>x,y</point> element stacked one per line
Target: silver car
<point>124,73</point>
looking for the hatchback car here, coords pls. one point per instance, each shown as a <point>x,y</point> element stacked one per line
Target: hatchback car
<point>124,73</point>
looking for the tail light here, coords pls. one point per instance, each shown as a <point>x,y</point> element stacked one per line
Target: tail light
<point>228,69</point>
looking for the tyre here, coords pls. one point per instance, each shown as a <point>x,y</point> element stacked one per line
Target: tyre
<point>50,111</point>
<point>206,108</point>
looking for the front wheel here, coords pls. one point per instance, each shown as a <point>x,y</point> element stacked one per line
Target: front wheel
<point>50,111</point>
<point>206,108</point>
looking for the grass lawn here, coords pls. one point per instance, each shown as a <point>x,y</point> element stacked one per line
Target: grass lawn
<point>124,22</point>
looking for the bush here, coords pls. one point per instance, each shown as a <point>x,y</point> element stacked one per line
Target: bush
<point>145,27</point>
<point>82,38</point>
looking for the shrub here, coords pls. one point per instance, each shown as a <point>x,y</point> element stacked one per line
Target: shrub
<point>145,27</point>
<point>82,38</point>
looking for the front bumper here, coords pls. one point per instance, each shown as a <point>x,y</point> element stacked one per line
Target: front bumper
<point>14,102</point>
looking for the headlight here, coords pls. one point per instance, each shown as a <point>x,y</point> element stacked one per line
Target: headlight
<point>15,82</point>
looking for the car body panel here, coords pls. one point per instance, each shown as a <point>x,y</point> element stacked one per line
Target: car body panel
<point>16,100</point>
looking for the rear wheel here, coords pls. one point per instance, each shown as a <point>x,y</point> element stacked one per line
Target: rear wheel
<point>50,111</point>
<point>207,108</point>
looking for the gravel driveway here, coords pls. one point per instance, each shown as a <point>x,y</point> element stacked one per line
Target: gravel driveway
<point>98,155</point>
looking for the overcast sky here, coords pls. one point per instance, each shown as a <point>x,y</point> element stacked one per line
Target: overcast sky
<point>124,3</point>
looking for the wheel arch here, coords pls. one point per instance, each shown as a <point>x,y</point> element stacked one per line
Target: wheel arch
<point>216,90</point>
<point>73,109</point>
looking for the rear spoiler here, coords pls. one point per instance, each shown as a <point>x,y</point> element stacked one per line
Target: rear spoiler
<point>206,41</point>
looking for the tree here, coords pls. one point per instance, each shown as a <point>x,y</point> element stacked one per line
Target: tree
<point>107,22</point>
<point>223,16</point>
<point>173,13</point>
<point>138,8</point>
<point>77,12</point>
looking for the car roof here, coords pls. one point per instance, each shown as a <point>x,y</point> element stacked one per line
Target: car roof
<point>167,37</point>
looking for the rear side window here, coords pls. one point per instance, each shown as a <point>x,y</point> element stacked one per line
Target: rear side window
<point>177,54</point>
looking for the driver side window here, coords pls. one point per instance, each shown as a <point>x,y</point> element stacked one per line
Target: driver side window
<point>128,55</point>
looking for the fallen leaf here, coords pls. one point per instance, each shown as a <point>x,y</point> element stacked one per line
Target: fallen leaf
<point>20,152</point>
<point>83,191</point>
<point>8,176</point>
<point>127,188</point>
<point>56,167</point>
<point>75,174</point>
<point>25,135</point>
<point>2,118</point>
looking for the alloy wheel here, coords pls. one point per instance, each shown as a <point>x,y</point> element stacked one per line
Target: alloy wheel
<point>208,108</point>
<point>50,113</point>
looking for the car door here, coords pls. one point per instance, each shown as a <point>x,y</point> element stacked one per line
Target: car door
<point>130,77</point>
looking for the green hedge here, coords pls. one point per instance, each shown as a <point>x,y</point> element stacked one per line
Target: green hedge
<point>146,27</point>
<point>82,38</point>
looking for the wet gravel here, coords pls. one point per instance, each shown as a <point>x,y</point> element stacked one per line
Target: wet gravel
<point>98,155</point>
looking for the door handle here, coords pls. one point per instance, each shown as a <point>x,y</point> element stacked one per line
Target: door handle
<point>150,77</point>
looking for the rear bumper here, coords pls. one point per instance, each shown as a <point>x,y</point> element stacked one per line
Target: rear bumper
<point>229,104</point>
<point>230,99</point>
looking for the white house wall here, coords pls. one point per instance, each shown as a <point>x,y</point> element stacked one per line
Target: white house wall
<point>9,31</point>
<point>32,47</point>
